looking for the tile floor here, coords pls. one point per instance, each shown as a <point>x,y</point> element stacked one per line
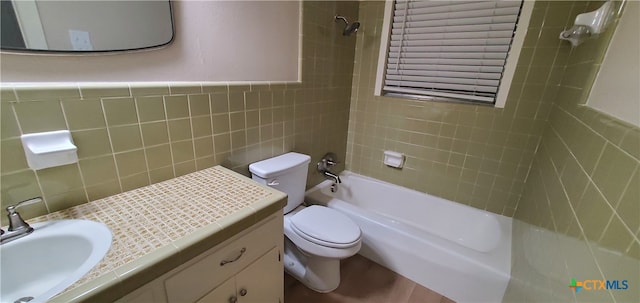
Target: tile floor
<point>364,281</point>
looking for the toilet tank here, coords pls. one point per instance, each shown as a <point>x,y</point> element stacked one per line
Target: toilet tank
<point>286,173</point>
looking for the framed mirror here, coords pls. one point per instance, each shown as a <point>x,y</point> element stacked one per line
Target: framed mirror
<point>85,26</point>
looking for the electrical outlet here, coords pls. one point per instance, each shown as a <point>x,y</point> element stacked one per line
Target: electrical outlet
<point>80,40</point>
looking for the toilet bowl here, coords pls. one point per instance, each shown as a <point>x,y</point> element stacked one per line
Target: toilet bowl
<point>317,237</point>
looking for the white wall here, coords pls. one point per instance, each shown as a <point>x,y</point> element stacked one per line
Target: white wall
<point>616,90</point>
<point>215,41</point>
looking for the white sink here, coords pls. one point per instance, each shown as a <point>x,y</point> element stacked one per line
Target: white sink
<point>52,258</point>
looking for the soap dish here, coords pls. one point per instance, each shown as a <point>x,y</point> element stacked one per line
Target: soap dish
<point>393,159</point>
<point>49,149</point>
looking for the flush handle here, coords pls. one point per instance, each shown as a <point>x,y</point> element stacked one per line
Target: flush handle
<point>243,292</point>
<point>273,182</point>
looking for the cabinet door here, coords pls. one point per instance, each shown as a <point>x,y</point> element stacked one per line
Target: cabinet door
<point>225,293</point>
<point>150,292</point>
<point>213,267</point>
<point>262,281</point>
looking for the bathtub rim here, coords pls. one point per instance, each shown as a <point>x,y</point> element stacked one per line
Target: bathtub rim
<point>499,259</point>
<point>503,224</point>
<point>481,282</point>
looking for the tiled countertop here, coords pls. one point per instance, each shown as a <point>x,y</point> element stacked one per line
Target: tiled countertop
<point>160,226</point>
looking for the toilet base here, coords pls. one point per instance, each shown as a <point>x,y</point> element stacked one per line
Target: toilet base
<point>317,273</point>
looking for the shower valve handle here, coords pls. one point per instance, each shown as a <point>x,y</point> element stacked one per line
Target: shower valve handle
<point>330,159</point>
<point>331,163</point>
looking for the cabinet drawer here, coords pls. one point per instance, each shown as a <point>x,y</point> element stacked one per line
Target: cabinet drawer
<point>260,282</point>
<point>217,265</point>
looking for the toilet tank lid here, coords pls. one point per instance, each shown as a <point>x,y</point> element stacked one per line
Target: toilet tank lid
<point>277,165</point>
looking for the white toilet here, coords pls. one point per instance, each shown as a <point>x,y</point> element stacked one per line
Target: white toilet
<point>317,237</point>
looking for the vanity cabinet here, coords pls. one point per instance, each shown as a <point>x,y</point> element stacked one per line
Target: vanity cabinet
<point>255,284</point>
<point>244,269</point>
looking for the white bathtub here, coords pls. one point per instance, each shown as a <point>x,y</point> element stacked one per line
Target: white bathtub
<point>458,251</point>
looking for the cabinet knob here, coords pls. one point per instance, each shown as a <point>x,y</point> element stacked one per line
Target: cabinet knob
<point>243,292</point>
<point>233,299</point>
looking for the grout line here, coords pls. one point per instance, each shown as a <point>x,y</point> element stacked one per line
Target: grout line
<point>66,123</point>
<point>77,86</point>
<point>630,245</point>
<point>627,186</point>
<point>35,173</point>
<point>213,142</point>
<point>144,146</point>
<point>559,175</point>
<point>606,227</point>
<point>595,132</point>
<point>228,113</point>
<point>15,94</point>
<point>166,121</point>
<point>193,140</point>
<point>614,210</point>
<point>113,154</point>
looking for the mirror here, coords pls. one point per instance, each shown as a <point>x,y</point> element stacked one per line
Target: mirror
<point>84,26</point>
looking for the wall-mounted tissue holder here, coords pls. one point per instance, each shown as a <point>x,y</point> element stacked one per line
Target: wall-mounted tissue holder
<point>589,24</point>
<point>49,149</point>
<point>393,159</point>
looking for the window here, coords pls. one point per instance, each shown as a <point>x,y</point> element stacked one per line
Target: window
<point>451,50</point>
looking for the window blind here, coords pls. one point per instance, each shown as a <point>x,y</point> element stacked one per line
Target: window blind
<point>449,49</point>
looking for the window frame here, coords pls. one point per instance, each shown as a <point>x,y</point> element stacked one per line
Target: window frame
<point>509,67</point>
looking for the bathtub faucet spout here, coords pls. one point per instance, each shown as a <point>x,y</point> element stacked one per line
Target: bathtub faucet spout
<point>333,176</point>
<point>328,161</point>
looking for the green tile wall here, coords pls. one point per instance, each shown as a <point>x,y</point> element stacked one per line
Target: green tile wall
<point>591,156</point>
<point>476,155</point>
<point>568,173</point>
<point>133,134</point>
<point>583,187</point>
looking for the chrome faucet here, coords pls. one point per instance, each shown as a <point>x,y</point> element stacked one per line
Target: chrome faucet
<point>328,161</point>
<point>336,178</point>
<point>18,228</point>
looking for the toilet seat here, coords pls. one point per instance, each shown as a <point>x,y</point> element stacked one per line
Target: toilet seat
<point>326,227</point>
